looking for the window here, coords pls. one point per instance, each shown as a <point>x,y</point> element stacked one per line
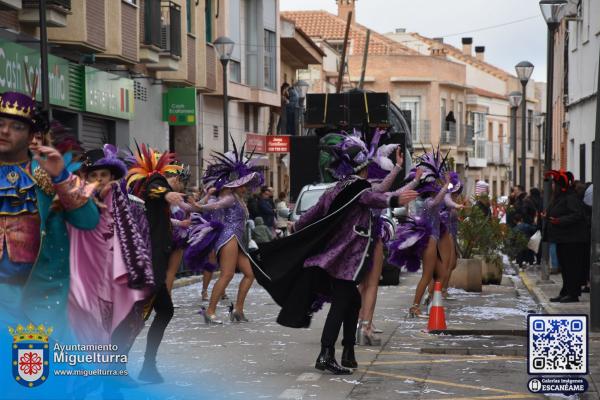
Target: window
<point>494,189</point>
<point>500,133</point>
<point>529,121</point>
<point>270,60</point>
<point>502,188</point>
<point>479,124</point>
<point>412,104</point>
<point>491,131</point>
<point>235,71</point>
<point>582,161</point>
<point>246,117</point>
<point>251,40</point>
<point>208,21</point>
<point>189,12</point>
<point>234,28</point>
<point>337,45</point>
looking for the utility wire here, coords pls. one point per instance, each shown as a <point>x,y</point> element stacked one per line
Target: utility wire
<point>492,26</point>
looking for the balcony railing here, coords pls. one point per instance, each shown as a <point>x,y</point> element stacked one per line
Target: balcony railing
<point>66,4</point>
<point>170,28</point>
<point>421,132</point>
<point>498,153</point>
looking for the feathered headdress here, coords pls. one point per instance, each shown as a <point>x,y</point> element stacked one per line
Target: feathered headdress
<point>147,163</point>
<point>232,169</point>
<point>434,168</point>
<point>184,173</point>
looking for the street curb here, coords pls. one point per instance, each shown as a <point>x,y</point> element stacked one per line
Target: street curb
<point>539,295</point>
<point>190,280</point>
<point>481,332</point>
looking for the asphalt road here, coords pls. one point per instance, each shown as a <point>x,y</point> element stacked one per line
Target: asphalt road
<point>262,360</point>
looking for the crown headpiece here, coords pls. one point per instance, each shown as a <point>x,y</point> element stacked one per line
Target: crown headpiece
<point>30,332</point>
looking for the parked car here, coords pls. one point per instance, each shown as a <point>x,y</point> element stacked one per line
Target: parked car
<point>308,197</point>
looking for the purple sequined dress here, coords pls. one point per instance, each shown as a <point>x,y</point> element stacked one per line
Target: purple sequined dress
<point>180,233</point>
<point>234,215</point>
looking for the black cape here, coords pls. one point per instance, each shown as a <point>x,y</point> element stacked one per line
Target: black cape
<point>279,265</point>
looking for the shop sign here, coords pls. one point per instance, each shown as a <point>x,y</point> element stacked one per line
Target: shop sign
<point>256,143</point>
<point>108,94</point>
<point>278,144</point>
<point>179,106</point>
<point>13,58</point>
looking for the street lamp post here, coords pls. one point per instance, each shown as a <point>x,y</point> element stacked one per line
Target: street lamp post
<point>514,98</point>
<point>524,70</point>
<point>302,88</point>
<point>224,47</point>
<point>551,11</point>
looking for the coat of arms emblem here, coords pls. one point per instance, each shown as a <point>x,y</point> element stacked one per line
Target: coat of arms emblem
<point>30,354</point>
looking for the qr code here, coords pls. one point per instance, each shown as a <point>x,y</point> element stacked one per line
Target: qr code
<point>557,344</point>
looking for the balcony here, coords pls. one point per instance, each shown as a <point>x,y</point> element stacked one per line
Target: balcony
<point>56,12</point>
<point>477,154</point>
<point>162,33</point>
<point>85,30</point>
<point>498,153</point>
<point>421,133</point>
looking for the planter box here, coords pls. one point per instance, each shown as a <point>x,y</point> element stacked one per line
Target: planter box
<point>491,273</point>
<point>467,275</point>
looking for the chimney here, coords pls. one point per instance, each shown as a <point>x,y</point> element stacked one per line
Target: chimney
<point>480,53</point>
<point>467,43</point>
<point>400,30</point>
<point>344,7</point>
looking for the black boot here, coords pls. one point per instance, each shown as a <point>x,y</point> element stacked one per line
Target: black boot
<point>326,361</point>
<point>149,372</point>
<point>348,357</point>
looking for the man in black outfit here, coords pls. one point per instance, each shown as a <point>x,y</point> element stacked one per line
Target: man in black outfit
<point>565,222</point>
<point>158,195</point>
<point>266,206</point>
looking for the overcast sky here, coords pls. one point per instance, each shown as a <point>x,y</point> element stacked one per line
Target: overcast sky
<point>504,46</point>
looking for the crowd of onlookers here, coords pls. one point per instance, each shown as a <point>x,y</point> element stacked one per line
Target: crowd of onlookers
<point>567,229</point>
<point>265,212</point>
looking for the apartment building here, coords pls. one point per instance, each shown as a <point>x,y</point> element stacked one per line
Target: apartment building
<point>487,114</point>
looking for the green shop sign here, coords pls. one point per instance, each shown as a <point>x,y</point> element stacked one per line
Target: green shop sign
<point>179,107</point>
<point>108,94</point>
<point>13,58</point>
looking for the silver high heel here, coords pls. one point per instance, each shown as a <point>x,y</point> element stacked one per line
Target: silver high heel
<point>236,316</point>
<point>366,338</point>
<point>210,319</point>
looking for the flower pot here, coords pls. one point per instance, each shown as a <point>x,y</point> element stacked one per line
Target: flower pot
<point>491,272</point>
<point>467,275</point>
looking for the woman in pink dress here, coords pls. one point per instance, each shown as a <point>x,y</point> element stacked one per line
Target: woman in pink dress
<point>111,269</point>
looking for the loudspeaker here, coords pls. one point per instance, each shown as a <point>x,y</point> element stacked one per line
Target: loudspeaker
<point>315,110</point>
<point>354,109</point>
<point>304,163</point>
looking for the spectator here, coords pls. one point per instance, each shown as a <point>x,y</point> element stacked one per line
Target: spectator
<point>535,199</point>
<point>291,109</point>
<point>482,191</point>
<point>266,207</point>
<point>527,230</point>
<point>280,205</point>
<point>282,124</point>
<point>565,217</point>
<point>261,233</point>
<point>253,206</point>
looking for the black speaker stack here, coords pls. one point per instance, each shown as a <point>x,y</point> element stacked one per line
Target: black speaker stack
<point>347,110</point>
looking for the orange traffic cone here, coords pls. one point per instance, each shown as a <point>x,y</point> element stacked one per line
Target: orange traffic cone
<point>437,318</point>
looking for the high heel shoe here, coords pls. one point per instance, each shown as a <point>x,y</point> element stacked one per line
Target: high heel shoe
<point>210,319</point>
<point>365,336</point>
<point>236,316</point>
<point>205,295</point>
<point>414,311</point>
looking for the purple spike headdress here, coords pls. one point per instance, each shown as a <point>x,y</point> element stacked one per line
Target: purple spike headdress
<point>434,168</point>
<point>232,169</point>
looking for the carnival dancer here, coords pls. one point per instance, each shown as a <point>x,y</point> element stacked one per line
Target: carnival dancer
<point>34,245</point>
<point>328,254</point>
<point>417,237</point>
<point>200,253</point>
<point>180,221</point>
<point>148,181</point>
<point>111,269</point>
<point>232,174</point>
<point>447,246</point>
<point>382,233</point>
